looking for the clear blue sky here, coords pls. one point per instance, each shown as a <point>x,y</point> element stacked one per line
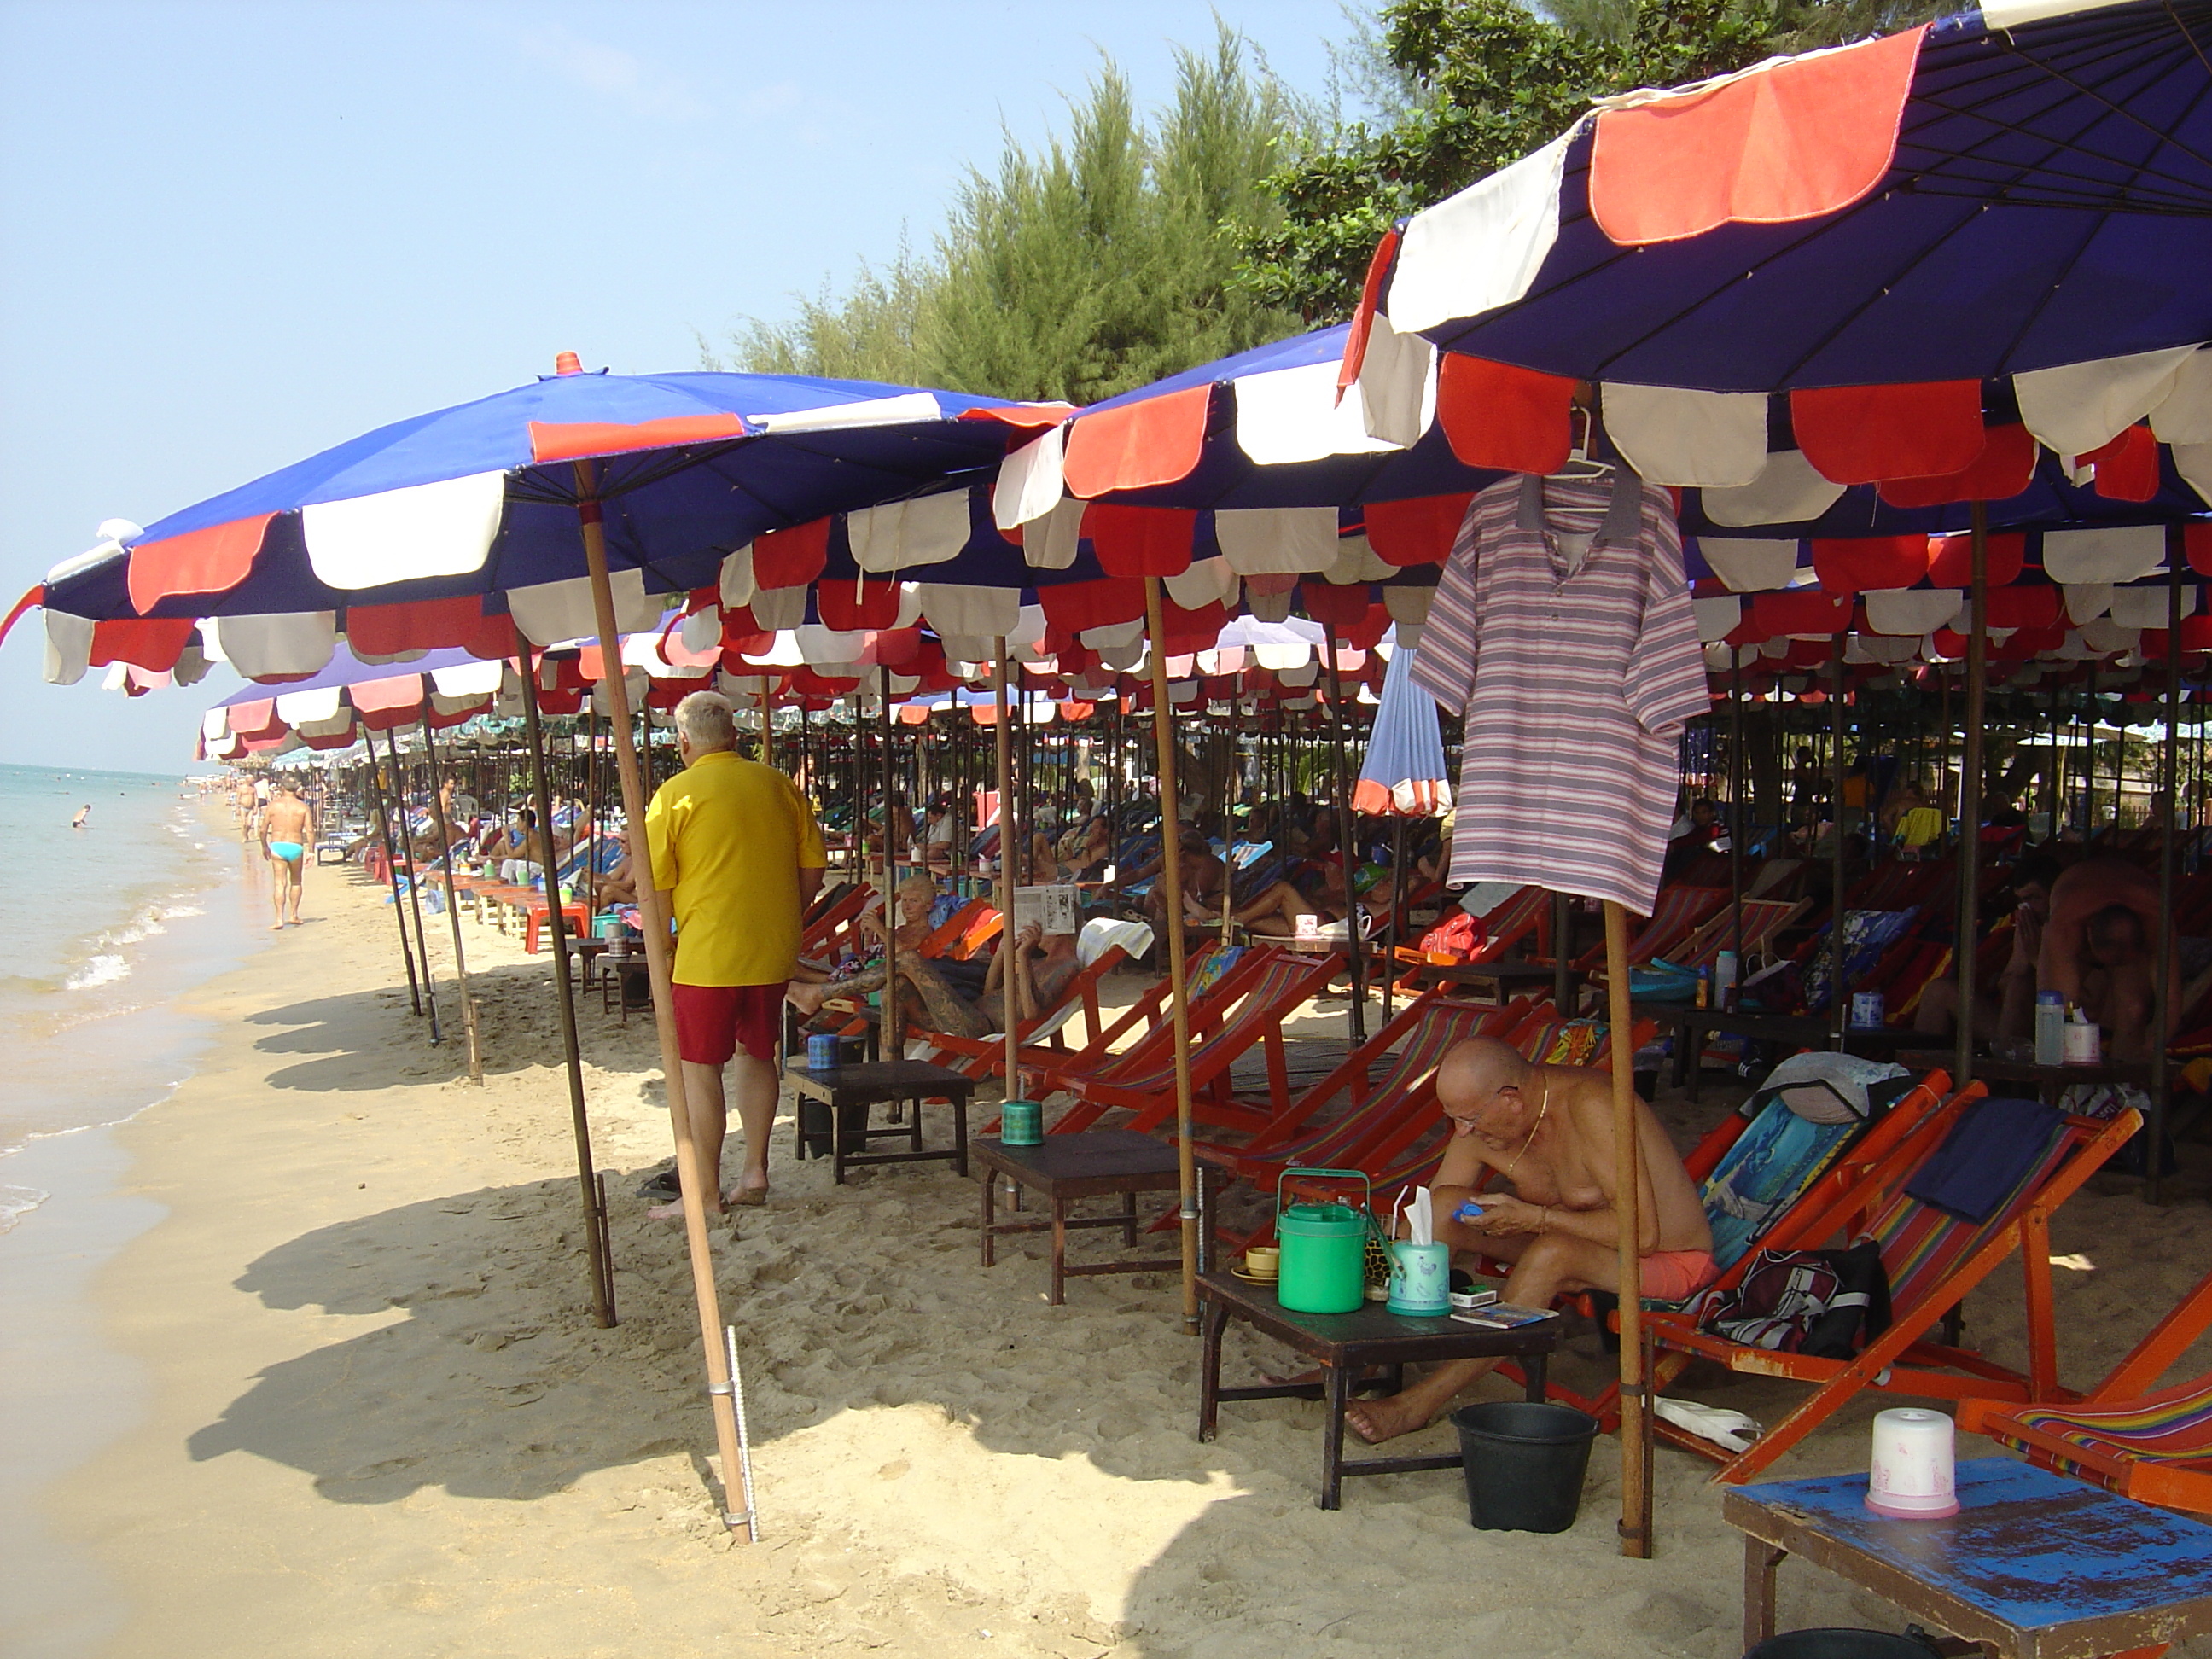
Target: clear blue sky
<point>237,233</point>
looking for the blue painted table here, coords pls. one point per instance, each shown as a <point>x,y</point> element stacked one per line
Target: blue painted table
<point>2033,1566</point>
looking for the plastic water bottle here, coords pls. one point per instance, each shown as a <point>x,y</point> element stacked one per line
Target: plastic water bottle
<point>2050,1028</point>
<point>1724,972</point>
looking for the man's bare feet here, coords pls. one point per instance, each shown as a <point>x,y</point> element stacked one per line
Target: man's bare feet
<point>748,1197</point>
<point>807,999</point>
<point>1377,1420</point>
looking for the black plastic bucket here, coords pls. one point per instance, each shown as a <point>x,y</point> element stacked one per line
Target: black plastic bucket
<point>1839,1643</point>
<point>1525,1463</point>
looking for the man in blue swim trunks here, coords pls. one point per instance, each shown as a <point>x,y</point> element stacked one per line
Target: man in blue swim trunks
<point>287,829</point>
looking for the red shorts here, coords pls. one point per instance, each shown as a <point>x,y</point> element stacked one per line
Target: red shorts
<point>1674,1275</point>
<point>712,1021</point>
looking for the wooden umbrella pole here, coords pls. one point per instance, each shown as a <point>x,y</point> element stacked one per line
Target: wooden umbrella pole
<point>1005,739</point>
<point>556,930</point>
<point>1840,998</point>
<point>1628,1164</point>
<point>414,884</point>
<point>1355,946</point>
<point>1178,983</point>
<point>391,875</point>
<point>890,1043</point>
<point>452,909</point>
<point>1970,794</point>
<point>652,917</point>
<point>2161,983</point>
<point>1737,822</point>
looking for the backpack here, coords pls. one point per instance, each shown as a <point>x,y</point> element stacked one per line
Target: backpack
<point>1826,1303</point>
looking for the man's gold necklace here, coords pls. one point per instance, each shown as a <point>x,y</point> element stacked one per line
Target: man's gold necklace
<point>1542,1107</point>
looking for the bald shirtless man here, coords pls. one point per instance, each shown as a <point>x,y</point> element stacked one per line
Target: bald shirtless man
<point>1547,1130</point>
<point>2097,951</point>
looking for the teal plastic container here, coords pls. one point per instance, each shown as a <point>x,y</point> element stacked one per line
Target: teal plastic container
<point>1021,1123</point>
<point>1324,1250</point>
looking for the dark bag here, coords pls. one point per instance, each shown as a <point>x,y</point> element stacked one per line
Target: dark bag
<point>1826,1303</point>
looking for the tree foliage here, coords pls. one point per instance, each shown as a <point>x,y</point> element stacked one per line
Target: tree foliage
<point>1088,267</point>
<point>1495,80</point>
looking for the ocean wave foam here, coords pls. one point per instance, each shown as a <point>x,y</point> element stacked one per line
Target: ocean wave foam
<point>172,912</point>
<point>16,1202</point>
<point>102,969</point>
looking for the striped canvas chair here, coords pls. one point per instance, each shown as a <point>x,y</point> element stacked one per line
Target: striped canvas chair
<point>1553,1041</point>
<point>2150,1443</point>
<point>1833,1171</point>
<point>982,1057</point>
<point>1677,912</point>
<point>1141,1079</point>
<point>1933,1259</point>
<point>1420,1037</point>
<point>1762,920</point>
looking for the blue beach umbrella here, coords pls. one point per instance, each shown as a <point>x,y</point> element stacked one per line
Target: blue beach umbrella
<point>1403,773</point>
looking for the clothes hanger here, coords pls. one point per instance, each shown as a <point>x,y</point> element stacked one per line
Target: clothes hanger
<point>1580,465</point>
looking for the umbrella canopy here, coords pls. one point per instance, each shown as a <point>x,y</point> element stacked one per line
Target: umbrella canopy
<point>435,531</point>
<point>2004,192</point>
<point>1403,774</point>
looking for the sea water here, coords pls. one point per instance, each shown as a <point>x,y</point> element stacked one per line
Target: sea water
<point>100,928</point>
<point>103,929</point>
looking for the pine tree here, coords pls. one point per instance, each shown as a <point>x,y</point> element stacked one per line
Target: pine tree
<point>1094,266</point>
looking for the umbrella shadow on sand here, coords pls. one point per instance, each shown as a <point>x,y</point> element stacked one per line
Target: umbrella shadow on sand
<point>345,1041</point>
<point>494,1384</point>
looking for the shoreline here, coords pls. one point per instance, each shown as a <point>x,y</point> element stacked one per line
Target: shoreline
<point>378,1416</point>
<point>65,1213</point>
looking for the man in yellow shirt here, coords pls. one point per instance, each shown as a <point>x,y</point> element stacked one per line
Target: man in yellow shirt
<point>737,849</point>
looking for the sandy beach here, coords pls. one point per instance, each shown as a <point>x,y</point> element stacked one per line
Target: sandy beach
<point>378,1418</point>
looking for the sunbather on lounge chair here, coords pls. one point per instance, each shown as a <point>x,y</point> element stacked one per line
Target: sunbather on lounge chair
<point>915,895</point>
<point>1548,1131</point>
<point>2098,948</point>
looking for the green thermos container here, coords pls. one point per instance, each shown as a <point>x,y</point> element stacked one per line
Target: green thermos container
<point>1324,1248</point>
<point>1021,1123</point>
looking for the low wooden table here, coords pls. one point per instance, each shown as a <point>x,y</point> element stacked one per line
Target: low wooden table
<point>2033,1566</point>
<point>1097,1162</point>
<point>1495,983</point>
<point>849,1092</point>
<point>1346,1345</point>
<point>2051,1081</point>
<point>1693,1025</point>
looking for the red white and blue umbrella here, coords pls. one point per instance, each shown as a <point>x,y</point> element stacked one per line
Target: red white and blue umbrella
<point>1999,220</point>
<point>435,531</point>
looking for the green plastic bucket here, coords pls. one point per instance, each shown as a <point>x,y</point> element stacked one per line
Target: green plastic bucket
<point>1324,1250</point>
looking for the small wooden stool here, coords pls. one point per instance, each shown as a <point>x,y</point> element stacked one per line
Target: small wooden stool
<point>850,1091</point>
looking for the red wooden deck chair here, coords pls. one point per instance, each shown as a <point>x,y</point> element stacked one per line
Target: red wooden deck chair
<point>1427,1028</point>
<point>1933,1258</point>
<point>982,1057</point>
<point>833,918</point>
<point>1846,1172</point>
<point>980,927</point>
<point>1388,1115</point>
<point>1762,920</point>
<point>2146,1442</point>
<point>1215,975</point>
<point>1528,911</point>
<point>1674,916</point>
<point>1553,1041</point>
<point>1141,1079</point>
